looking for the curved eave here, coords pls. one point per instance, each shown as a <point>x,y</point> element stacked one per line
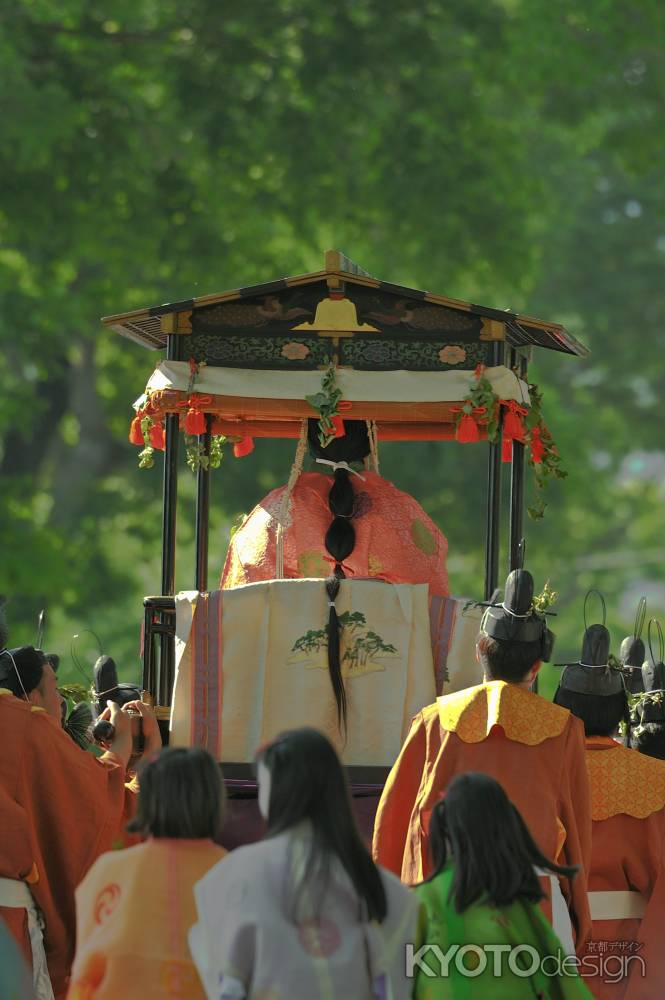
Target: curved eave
<point>149,326</point>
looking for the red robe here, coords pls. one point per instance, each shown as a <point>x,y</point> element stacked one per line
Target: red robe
<point>395,539</point>
<point>60,808</point>
<point>533,748</point>
<point>628,854</point>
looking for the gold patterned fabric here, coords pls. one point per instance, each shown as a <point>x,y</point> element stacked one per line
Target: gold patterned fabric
<point>395,539</point>
<point>523,716</point>
<point>623,780</point>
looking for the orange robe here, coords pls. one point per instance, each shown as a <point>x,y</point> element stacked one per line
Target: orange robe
<point>395,539</point>
<point>533,748</point>
<point>60,808</point>
<point>628,854</point>
<point>134,910</point>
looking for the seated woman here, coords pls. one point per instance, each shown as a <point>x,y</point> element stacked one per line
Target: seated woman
<point>294,531</point>
<point>134,908</point>
<point>305,913</point>
<point>483,896</point>
<point>353,524</point>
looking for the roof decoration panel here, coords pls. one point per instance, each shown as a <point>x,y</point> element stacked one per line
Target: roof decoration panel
<point>369,321</point>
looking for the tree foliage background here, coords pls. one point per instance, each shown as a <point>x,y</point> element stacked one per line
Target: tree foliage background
<point>508,151</point>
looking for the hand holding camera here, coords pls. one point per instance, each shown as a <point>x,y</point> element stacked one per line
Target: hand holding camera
<point>129,732</point>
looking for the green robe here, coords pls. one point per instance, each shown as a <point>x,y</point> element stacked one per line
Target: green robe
<point>521,923</point>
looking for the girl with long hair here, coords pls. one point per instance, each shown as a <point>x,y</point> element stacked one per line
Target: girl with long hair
<point>482,898</point>
<point>305,913</point>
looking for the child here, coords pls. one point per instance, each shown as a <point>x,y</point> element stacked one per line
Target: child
<point>305,913</point>
<point>134,908</point>
<point>484,892</point>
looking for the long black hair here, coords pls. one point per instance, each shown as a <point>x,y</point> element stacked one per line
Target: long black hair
<point>340,537</point>
<point>493,852</point>
<point>182,796</point>
<point>601,714</point>
<point>309,783</point>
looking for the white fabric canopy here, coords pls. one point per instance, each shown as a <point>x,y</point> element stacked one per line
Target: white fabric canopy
<point>356,386</point>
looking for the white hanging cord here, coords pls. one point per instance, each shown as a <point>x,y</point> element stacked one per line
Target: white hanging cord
<point>373,436</point>
<point>515,614</point>
<point>339,465</point>
<point>283,520</point>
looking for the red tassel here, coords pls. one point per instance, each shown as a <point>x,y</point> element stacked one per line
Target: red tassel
<point>338,424</point>
<point>195,422</point>
<point>507,450</point>
<point>536,446</point>
<point>135,432</point>
<point>512,422</point>
<point>156,434</point>
<point>467,430</point>
<point>243,447</point>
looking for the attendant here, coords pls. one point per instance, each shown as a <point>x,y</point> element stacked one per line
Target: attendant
<point>135,907</point>
<point>627,871</point>
<point>647,733</point>
<point>483,893</point>
<point>59,809</point>
<point>534,749</point>
<point>632,652</point>
<point>305,913</point>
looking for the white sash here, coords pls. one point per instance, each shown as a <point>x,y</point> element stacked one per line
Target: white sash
<point>618,905</point>
<point>561,922</point>
<point>16,895</point>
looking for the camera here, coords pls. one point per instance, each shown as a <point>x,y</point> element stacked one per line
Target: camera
<point>104,731</point>
<point>138,739</point>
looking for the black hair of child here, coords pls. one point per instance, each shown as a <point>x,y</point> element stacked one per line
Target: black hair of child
<point>493,853</point>
<point>181,796</point>
<point>309,783</point>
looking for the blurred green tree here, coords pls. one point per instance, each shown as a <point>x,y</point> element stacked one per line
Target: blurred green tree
<point>502,150</point>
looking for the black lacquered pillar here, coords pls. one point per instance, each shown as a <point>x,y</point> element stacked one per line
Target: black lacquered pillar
<point>493,530</point>
<point>518,364</point>
<point>169,519</point>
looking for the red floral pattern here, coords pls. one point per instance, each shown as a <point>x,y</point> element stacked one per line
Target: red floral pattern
<point>106,902</point>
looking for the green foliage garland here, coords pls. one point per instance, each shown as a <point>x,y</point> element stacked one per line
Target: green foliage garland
<point>544,457</point>
<point>326,401</point>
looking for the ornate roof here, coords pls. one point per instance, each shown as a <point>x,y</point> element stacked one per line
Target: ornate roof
<point>372,310</point>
